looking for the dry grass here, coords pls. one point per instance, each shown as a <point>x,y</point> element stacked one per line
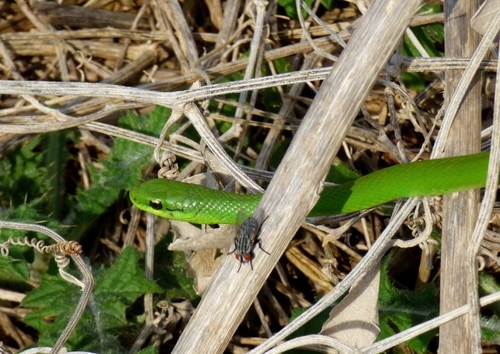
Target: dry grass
<point>196,53</point>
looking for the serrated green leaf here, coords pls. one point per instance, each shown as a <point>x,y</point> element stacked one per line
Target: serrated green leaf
<point>489,285</point>
<point>53,309</point>
<point>170,270</point>
<point>23,173</point>
<point>117,288</point>
<point>490,328</point>
<point>402,309</point>
<point>125,278</point>
<point>149,125</point>
<point>148,350</point>
<point>123,167</point>
<point>13,270</point>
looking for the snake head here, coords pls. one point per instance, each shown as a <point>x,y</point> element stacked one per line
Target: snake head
<point>174,202</point>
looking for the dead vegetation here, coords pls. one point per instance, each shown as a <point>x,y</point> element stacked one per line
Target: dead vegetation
<point>244,75</point>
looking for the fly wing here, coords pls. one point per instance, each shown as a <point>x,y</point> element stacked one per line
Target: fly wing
<point>248,229</point>
<point>242,216</point>
<point>244,241</point>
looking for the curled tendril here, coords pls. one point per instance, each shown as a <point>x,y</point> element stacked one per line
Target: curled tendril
<point>168,167</point>
<point>72,248</point>
<point>413,223</point>
<point>61,251</point>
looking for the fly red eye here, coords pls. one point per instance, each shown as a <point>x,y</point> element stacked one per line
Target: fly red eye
<point>247,257</point>
<point>237,256</point>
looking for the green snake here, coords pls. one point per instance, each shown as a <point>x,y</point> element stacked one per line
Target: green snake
<point>201,205</point>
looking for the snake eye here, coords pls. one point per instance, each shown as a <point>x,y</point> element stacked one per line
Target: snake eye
<point>156,204</point>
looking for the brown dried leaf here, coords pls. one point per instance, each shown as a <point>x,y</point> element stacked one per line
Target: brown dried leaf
<point>355,320</point>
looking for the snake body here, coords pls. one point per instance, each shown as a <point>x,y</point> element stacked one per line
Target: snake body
<point>201,205</point>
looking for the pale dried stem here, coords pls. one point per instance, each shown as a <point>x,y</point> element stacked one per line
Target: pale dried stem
<point>298,177</point>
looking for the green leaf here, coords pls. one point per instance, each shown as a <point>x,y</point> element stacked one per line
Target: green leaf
<point>430,37</point>
<point>121,170</point>
<point>56,156</point>
<point>170,271</point>
<point>119,286</point>
<point>291,9</point>
<point>148,350</point>
<point>13,271</point>
<point>403,309</point>
<point>23,174</point>
<point>53,309</point>
<point>414,81</point>
<point>34,173</point>
<point>313,326</point>
<point>490,328</point>
<point>104,327</point>
<point>490,321</point>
